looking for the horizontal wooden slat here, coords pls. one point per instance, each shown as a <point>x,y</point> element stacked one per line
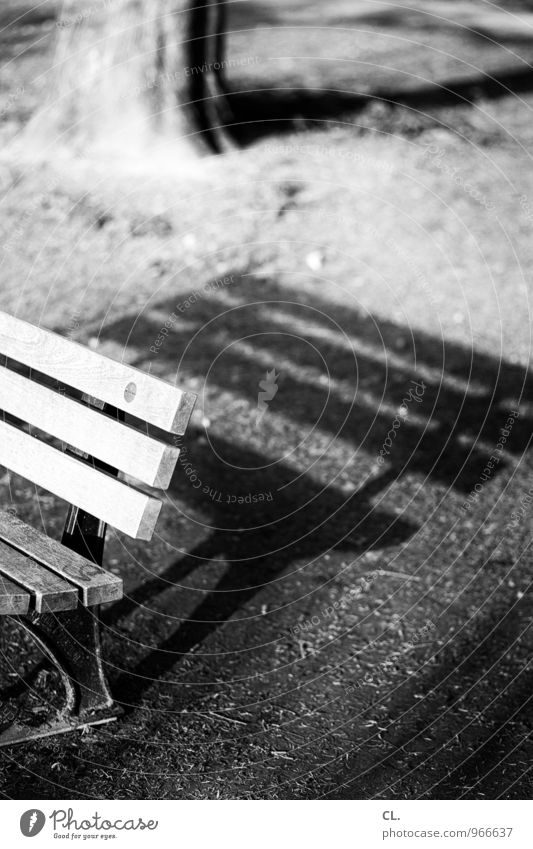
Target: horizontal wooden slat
<point>101,495</point>
<point>14,600</point>
<point>98,435</point>
<point>96,585</point>
<point>146,397</point>
<point>50,591</point>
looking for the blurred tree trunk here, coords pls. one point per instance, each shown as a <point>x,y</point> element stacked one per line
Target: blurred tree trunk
<point>130,73</point>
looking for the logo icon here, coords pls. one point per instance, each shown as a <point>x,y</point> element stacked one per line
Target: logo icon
<point>32,822</point>
<point>270,388</point>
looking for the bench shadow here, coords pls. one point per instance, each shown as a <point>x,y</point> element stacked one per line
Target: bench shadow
<point>342,373</point>
<point>256,325</point>
<point>279,535</point>
<point>369,364</point>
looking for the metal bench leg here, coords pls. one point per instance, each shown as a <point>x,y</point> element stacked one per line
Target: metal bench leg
<point>71,641</point>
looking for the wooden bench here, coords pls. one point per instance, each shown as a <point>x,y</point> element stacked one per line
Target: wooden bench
<point>72,420</point>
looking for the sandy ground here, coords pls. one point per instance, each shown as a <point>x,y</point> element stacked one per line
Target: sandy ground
<point>336,611</point>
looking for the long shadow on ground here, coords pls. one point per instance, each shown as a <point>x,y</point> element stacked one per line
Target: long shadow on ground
<point>350,390</point>
<point>341,379</point>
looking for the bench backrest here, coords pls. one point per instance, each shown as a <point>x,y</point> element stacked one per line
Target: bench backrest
<point>81,398</point>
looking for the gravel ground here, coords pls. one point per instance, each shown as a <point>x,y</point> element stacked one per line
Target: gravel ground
<point>341,609</point>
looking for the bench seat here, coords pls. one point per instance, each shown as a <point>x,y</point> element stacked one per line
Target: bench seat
<point>38,574</point>
<point>101,435</point>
